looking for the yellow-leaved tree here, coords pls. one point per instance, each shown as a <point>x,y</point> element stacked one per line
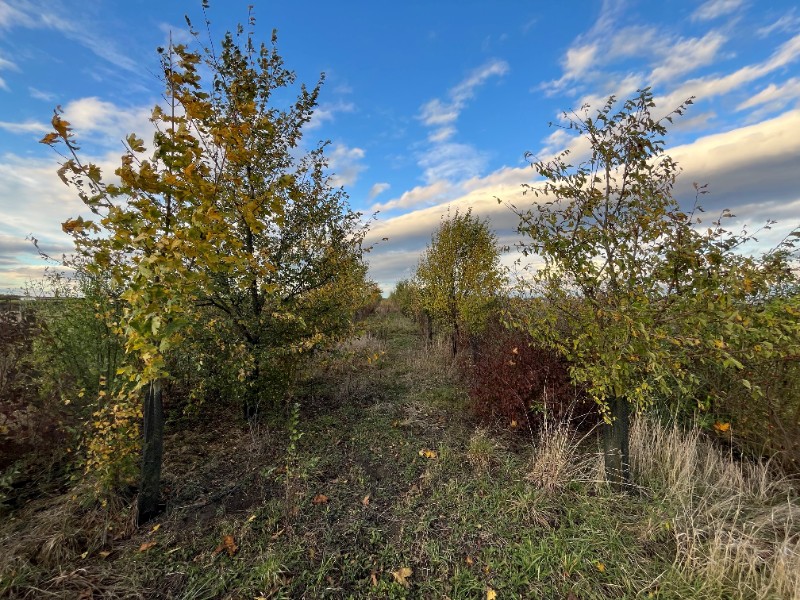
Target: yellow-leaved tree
<point>226,214</point>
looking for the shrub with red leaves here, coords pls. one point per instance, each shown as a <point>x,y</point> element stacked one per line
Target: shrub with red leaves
<point>511,380</point>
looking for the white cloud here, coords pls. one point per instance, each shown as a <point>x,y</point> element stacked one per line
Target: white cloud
<point>11,16</point>
<point>26,127</point>
<point>466,89</point>
<point>579,60</point>
<point>46,14</point>
<point>417,196</point>
<point>377,189</point>
<point>6,65</point>
<point>40,95</point>
<point>442,134</point>
<point>774,96</point>
<point>327,112</point>
<point>176,34</point>
<point>106,123</point>
<point>452,161</point>
<point>751,170</point>
<point>707,87</point>
<point>789,22</point>
<point>713,9</point>
<point>438,113</point>
<point>443,158</point>
<point>345,164</point>
<point>686,55</point>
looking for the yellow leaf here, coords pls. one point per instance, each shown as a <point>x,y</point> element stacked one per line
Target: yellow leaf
<point>146,546</point>
<point>513,423</point>
<point>402,575</point>
<point>228,544</point>
<point>722,427</point>
<point>365,500</point>
<point>600,567</point>
<point>491,594</point>
<point>426,453</point>
<point>469,560</point>
<point>155,528</point>
<point>104,553</point>
<point>251,518</point>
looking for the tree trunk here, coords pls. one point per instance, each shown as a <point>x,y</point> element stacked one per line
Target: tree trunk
<point>152,454</point>
<point>252,397</point>
<point>428,325</point>
<point>456,334</point>
<point>615,445</point>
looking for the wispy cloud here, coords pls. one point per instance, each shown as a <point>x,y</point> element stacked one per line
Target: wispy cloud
<point>686,55</point>
<point>377,189</point>
<point>53,15</point>
<point>789,22</point>
<point>40,95</point>
<point>26,127</point>
<point>346,165</point>
<point>758,161</point>
<point>106,123</point>
<point>708,87</point>
<point>327,112</point>
<point>610,41</point>
<point>6,65</point>
<point>442,158</point>
<point>776,97</point>
<point>713,9</point>
<point>437,112</point>
<point>418,196</point>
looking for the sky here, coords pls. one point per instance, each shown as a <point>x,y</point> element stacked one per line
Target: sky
<point>429,107</point>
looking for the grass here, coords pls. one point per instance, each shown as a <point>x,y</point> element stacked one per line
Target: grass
<point>390,475</point>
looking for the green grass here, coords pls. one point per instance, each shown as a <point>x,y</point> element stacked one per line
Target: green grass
<point>490,510</point>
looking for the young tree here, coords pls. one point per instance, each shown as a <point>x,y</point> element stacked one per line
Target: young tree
<point>634,294</point>
<point>459,274</point>
<point>223,215</point>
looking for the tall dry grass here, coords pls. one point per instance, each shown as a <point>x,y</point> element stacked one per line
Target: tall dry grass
<point>736,522</point>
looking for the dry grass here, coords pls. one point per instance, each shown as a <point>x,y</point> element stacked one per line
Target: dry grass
<point>736,524</point>
<point>560,456</point>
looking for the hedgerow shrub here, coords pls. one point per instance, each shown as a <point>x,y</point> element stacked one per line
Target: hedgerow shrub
<point>515,382</point>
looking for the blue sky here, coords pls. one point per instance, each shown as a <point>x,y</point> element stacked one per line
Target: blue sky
<point>428,106</point>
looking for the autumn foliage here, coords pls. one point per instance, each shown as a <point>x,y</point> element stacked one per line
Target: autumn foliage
<point>516,382</point>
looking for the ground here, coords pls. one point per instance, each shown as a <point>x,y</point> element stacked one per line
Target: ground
<point>380,486</point>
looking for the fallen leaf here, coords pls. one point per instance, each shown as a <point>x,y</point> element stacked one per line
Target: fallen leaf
<point>469,560</point>
<point>722,427</point>
<point>600,567</point>
<point>277,534</point>
<point>146,546</point>
<point>155,528</point>
<point>513,423</point>
<point>491,594</point>
<point>250,519</point>
<point>365,501</point>
<point>228,544</point>
<point>320,499</point>
<point>426,453</point>
<point>374,578</point>
<point>104,553</point>
<point>402,575</point>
